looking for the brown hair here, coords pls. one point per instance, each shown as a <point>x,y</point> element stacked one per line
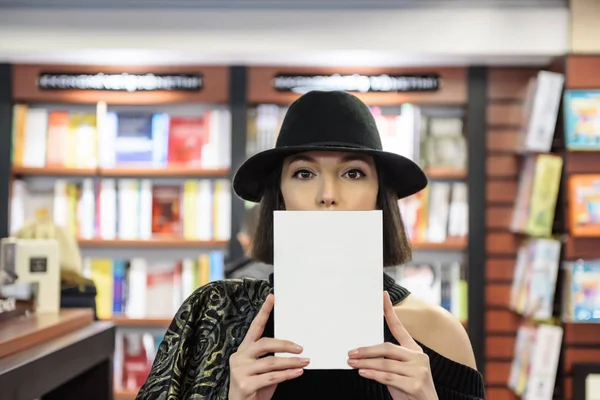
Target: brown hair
<point>396,249</point>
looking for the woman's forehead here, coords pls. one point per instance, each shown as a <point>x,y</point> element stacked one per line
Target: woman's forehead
<point>322,156</point>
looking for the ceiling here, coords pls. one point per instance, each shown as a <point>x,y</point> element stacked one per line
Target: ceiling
<point>328,37</point>
<point>280,4</point>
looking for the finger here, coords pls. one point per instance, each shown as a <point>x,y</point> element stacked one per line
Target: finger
<point>384,350</point>
<point>269,345</point>
<point>383,365</point>
<point>272,363</point>
<point>402,383</point>
<point>257,326</point>
<point>396,327</point>
<point>258,382</point>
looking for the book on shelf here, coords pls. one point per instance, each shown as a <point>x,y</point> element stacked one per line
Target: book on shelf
<point>142,288</point>
<point>438,283</point>
<point>60,137</point>
<point>129,209</point>
<point>534,281</point>
<point>537,194</point>
<point>581,291</point>
<point>540,111</point>
<point>442,142</point>
<point>582,120</point>
<point>135,352</point>
<point>584,205</point>
<point>535,363</point>
<point>437,213</point>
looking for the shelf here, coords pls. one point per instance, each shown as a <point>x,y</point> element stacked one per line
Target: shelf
<point>450,244</point>
<point>144,322</point>
<point>167,172</point>
<point>133,172</point>
<point>21,333</point>
<point>53,171</point>
<point>445,173</point>
<point>157,242</point>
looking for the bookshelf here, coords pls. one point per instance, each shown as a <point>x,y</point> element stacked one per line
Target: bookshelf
<point>271,89</point>
<point>506,91</point>
<point>197,97</point>
<point>562,341</point>
<point>581,342</point>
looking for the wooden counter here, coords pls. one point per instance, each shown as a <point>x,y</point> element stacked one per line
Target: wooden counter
<point>64,356</point>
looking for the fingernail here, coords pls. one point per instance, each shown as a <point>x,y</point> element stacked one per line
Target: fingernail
<point>363,372</point>
<point>352,362</point>
<point>298,348</point>
<point>298,371</point>
<point>305,360</point>
<point>353,352</point>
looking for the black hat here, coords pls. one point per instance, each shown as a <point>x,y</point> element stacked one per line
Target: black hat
<point>327,121</point>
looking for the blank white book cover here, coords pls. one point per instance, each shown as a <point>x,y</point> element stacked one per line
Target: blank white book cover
<point>328,277</point>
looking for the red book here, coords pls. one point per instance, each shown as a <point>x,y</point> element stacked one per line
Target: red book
<point>187,137</point>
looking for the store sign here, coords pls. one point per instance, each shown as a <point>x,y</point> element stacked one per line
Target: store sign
<point>357,83</point>
<point>123,82</point>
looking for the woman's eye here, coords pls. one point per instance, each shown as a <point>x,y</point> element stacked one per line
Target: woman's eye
<point>354,174</point>
<point>302,174</point>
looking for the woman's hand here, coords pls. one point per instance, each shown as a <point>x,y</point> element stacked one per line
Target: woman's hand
<point>254,378</point>
<point>403,369</point>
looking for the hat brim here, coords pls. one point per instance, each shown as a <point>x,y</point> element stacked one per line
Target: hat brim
<point>403,175</point>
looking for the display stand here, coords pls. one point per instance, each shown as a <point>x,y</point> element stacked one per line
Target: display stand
<point>66,356</point>
<point>505,95</point>
<point>581,340</point>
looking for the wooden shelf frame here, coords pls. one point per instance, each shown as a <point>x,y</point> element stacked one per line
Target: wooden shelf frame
<point>153,243</point>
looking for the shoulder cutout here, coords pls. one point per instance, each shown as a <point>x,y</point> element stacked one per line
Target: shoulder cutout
<point>436,328</point>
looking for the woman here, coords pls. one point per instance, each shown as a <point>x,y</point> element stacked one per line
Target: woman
<point>220,345</point>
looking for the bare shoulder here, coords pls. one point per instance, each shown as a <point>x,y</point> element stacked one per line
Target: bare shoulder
<point>437,329</point>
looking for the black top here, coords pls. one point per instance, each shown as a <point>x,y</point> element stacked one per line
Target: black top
<point>192,361</point>
<point>453,381</point>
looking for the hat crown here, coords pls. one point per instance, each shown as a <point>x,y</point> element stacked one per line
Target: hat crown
<point>329,118</point>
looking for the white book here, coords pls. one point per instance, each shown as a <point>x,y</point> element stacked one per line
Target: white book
<point>108,209</point>
<point>36,128</point>
<point>145,217</point>
<point>328,277</point>
<point>87,209</point>
<point>544,363</point>
<point>543,112</point>
<point>136,298</point>
<point>204,210</point>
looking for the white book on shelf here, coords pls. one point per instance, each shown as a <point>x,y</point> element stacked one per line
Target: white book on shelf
<point>60,212</point>
<point>108,209</point>
<point>145,209</point>
<point>36,127</point>
<point>204,211</point>
<point>439,209</point>
<point>544,363</point>
<point>541,110</point>
<point>87,209</point>
<point>128,208</point>
<point>137,288</point>
<point>222,209</point>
